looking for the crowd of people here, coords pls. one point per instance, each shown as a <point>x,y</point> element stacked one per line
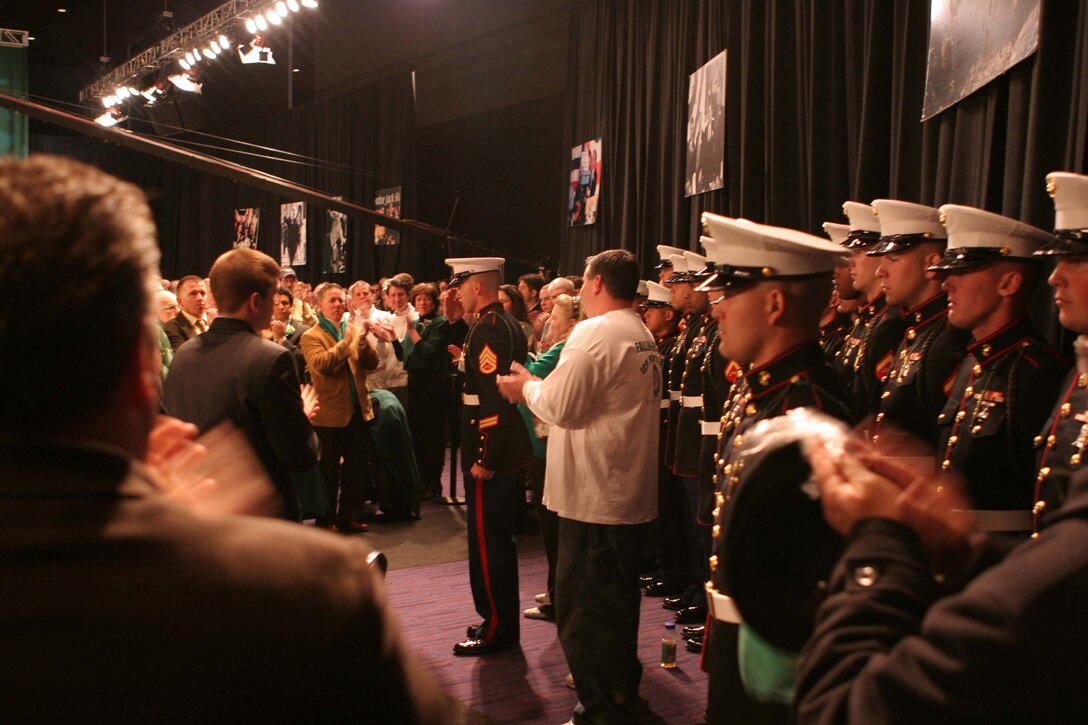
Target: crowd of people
<point>847,466</point>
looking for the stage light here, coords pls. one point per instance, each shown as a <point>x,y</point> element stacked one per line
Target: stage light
<point>293,5</point>
<point>185,64</point>
<point>251,26</point>
<point>273,17</point>
<point>281,9</point>
<point>224,42</point>
<point>111,117</point>
<point>210,53</point>
<point>186,82</point>
<point>215,45</point>
<point>107,101</point>
<point>189,59</point>
<point>132,91</point>
<point>262,24</point>
<point>121,93</point>
<point>309,3</point>
<point>197,54</point>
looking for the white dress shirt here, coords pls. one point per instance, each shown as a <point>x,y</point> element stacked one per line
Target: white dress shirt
<point>602,402</point>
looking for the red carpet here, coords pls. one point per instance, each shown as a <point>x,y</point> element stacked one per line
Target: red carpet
<point>434,605</point>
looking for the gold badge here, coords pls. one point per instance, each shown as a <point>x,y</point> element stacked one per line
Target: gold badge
<point>488,360</point>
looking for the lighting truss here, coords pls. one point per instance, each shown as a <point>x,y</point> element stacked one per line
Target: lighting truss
<point>14,38</point>
<point>168,51</point>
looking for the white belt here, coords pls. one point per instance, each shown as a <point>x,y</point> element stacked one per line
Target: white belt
<point>469,399</point>
<point>692,401</point>
<point>711,427</point>
<point>1018,520</point>
<point>721,607</point>
<point>674,395</point>
<point>665,404</point>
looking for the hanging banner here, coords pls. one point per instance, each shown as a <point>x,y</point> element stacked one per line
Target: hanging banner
<point>387,201</point>
<point>293,234</point>
<point>705,169</point>
<point>336,239</point>
<point>585,183</point>
<point>246,224</point>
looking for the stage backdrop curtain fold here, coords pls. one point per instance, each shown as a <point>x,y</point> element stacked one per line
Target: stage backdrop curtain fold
<point>824,101</point>
<point>370,136</point>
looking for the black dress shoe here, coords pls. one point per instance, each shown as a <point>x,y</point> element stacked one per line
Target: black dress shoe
<point>473,630</point>
<point>646,580</point>
<point>693,645</point>
<point>472,647</point>
<point>691,615</point>
<point>661,589</point>
<point>673,603</point>
<point>693,631</point>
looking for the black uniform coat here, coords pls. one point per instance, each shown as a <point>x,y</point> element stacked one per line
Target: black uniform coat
<point>868,353</point>
<point>1000,400</point>
<point>230,373</point>
<point>925,368</point>
<point>493,433</point>
<point>1061,445</point>
<point>690,328</point>
<point>802,377</point>
<point>689,434</point>
<point>1011,647</point>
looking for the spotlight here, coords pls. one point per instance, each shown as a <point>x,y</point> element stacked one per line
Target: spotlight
<point>224,42</point>
<point>111,117</point>
<point>210,53</point>
<point>256,52</point>
<point>187,81</point>
<point>262,24</point>
<point>132,91</point>
<point>273,17</point>
<point>309,3</point>
<point>281,9</point>
<point>122,93</point>
<point>215,45</point>
<point>251,26</point>
<point>107,101</point>
<point>186,65</point>
<point>189,58</point>
<point>293,5</point>
<point>197,54</point>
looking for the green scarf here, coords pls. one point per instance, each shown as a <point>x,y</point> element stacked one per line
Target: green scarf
<point>338,335</point>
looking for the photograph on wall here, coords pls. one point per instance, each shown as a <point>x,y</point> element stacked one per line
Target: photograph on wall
<point>387,202</point>
<point>585,183</point>
<point>293,234</point>
<point>336,242</point>
<point>971,43</point>
<point>705,169</point>
<point>246,223</point>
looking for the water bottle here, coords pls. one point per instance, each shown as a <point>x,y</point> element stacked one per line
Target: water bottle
<point>668,646</point>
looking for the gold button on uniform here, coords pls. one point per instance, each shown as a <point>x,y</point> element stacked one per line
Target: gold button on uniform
<point>1039,507</point>
<point>1066,409</point>
<point>960,416</point>
<point>750,410</point>
<point>977,370</point>
<point>911,335</point>
<point>1038,441</point>
<point>713,563</point>
<point>716,531</point>
<point>1051,439</point>
<point>1043,473</point>
<point>946,464</point>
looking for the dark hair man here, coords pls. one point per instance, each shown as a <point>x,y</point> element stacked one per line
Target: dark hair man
<point>235,375</point>
<point>191,320</point>
<point>162,614</point>
<point>602,403</point>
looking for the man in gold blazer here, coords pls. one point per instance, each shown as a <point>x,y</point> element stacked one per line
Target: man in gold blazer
<point>338,357</point>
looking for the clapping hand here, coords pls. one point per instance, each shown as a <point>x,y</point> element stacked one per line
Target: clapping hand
<point>310,403</point>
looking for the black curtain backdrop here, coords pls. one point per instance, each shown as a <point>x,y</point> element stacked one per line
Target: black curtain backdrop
<point>823,105</point>
<point>372,130</point>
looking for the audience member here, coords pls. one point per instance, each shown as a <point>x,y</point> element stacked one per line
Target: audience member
<point>391,374</point>
<point>514,304</point>
<point>231,374</point>
<point>302,309</point>
<point>191,320</point>
<point>427,361</point>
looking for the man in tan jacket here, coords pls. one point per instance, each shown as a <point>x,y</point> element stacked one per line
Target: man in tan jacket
<point>338,357</point>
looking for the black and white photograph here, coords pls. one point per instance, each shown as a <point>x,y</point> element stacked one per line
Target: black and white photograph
<point>706,128</point>
<point>336,239</point>
<point>387,201</point>
<point>293,234</point>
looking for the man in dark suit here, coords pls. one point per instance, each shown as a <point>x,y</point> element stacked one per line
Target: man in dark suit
<point>121,604</point>
<point>230,373</point>
<point>287,331</point>
<point>190,321</point>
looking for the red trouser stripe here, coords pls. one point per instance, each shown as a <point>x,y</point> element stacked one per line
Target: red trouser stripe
<point>481,540</point>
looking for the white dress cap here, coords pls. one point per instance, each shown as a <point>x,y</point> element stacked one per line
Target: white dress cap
<point>664,251</point>
<point>969,227</point>
<point>905,217</point>
<point>659,295</point>
<point>838,233</point>
<point>747,252</point>
<point>861,217</point>
<point>1070,194</point>
<point>643,290</point>
<point>465,267</point>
